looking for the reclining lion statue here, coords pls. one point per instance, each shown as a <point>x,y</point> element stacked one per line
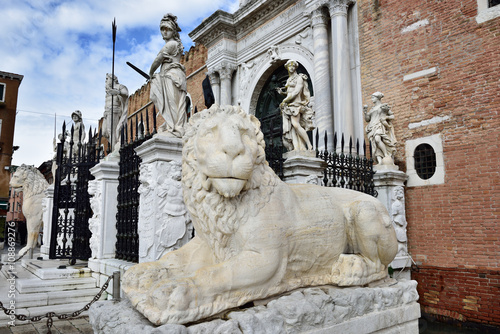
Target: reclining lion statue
<point>256,236</point>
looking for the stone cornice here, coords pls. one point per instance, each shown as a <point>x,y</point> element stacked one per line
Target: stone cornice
<point>11,76</point>
<point>234,26</point>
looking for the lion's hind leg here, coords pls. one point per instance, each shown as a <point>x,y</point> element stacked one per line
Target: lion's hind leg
<point>356,269</point>
<point>372,245</point>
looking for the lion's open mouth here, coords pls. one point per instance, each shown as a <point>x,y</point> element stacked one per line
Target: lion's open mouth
<point>228,186</point>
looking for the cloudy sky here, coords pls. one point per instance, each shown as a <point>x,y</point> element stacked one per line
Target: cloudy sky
<point>64,50</point>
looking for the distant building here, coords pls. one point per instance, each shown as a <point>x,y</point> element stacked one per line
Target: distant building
<point>15,212</point>
<point>9,86</point>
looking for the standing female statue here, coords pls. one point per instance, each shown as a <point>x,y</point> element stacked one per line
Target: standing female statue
<point>380,130</point>
<point>168,87</point>
<point>297,115</point>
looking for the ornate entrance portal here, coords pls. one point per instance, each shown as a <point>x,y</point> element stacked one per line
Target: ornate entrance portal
<point>269,115</point>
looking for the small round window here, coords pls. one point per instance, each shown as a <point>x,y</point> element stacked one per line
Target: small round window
<point>425,161</point>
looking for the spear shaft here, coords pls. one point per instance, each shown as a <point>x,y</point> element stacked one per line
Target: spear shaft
<point>113,27</point>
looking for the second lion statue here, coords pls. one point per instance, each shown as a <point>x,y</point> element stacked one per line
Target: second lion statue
<point>256,236</point>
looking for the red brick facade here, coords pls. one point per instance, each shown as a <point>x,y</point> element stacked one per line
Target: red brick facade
<point>8,106</point>
<point>453,227</point>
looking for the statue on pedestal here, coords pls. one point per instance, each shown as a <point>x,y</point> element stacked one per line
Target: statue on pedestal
<point>380,130</point>
<point>297,115</point>
<point>256,236</point>
<point>33,185</point>
<point>168,87</point>
<point>116,99</point>
<point>79,131</point>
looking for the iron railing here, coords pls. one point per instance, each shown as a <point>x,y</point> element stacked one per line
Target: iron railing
<point>127,216</point>
<point>345,168</point>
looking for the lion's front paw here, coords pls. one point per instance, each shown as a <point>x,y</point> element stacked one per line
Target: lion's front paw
<point>142,276</point>
<point>174,295</point>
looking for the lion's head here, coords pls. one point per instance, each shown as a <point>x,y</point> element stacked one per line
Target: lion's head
<point>223,161</point>
<point>30,179</point>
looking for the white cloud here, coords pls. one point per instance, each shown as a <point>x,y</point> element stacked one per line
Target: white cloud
<point>63,49</point>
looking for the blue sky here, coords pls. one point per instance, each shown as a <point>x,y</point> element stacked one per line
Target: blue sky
<point>64,50</point>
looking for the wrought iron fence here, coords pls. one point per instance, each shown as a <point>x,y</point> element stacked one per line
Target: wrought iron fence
<point>127,216</point>
<point>71,209</point>
<point>345,168</point>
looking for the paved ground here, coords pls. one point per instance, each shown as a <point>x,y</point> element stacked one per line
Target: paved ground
<point>74,326</point>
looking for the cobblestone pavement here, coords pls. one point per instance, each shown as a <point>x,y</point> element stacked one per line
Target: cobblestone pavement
<point>74,326</point>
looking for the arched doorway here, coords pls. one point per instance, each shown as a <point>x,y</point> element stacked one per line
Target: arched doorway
<point>269,115</point>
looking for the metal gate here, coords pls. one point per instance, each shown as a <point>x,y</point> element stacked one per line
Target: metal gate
<point>127,216</point>
<point>71,209</point>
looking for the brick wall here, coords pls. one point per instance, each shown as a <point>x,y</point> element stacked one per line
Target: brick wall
<point>452,227</point>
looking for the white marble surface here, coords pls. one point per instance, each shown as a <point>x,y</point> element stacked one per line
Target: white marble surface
<point>326,309</point>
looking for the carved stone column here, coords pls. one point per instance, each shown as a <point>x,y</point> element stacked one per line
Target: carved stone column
<point>322,88</point>
<point>226,73</point>
<point>215,82</point>
<point>47,204</point>
<point>389,183</point>
<point>342,90</point>
<point>104,192</point>
<point>164,223</point>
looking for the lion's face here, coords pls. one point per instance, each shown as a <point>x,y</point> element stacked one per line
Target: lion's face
<point>226,151</point>
<point>18,179</point>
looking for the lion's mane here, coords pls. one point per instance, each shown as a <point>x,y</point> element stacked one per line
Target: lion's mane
<point>32,180</point>
<point>215,217</point>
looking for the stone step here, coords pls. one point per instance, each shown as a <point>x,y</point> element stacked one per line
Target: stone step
<point>55,269</point>
<point>42,310</point>
<point>27,285</point>
<point>54,297</point>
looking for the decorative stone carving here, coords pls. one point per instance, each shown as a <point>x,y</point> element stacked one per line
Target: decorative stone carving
<point>398,213</point>
<point>33,185</point>
<point>164,223</point>
<point>274,54</point>
<point>118,98</point>
<point>339,7</point>
<point>94,190</point>
<point>168,87</point>
<point>79,131</point>
<point>256,236</point>
<point>327,309</point>
<point>297,114</point>
<point>380,130</point>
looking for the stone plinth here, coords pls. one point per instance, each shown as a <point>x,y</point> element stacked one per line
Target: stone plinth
<point>164,223</point>
<point>303,167</point>
<point>389,183</point>
<point>390,308</point>
<point>102,225</point>
<point>48,204</point>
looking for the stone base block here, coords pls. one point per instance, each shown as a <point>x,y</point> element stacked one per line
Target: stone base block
<point>384,309</point>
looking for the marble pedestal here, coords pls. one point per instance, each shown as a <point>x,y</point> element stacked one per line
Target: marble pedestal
<point>389,308</point>
<point>303,167</point>
<point>48,205</point>
<point>164,223</point>
<point>388,179</point>
<point>102,224</point>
